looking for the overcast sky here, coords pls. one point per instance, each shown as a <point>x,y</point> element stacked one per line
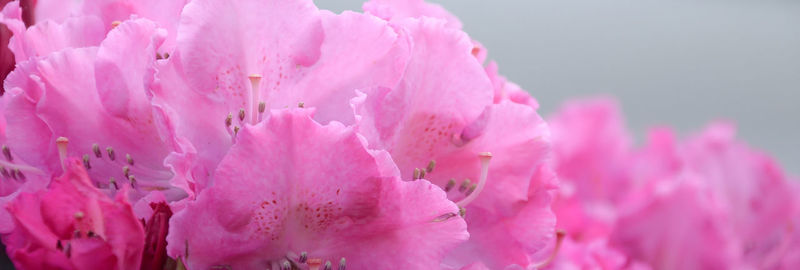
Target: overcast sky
<point>681,63</point>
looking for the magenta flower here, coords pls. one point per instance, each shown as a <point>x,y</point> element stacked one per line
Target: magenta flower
<point>73,225</point>
<point>317,194</point>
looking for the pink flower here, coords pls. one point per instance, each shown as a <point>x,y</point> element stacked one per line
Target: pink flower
<point>109,13</point>
<point>697,204</point>
<point>592,153</point>
<point>95,96</point>
<point>268,55</point>
<point>740,177</point>
<point>438,120</point>
<point>317,194</point>
<point>715,186</point>
<point>594,254</point>
<point>398,10</point>
<point>73,225</point>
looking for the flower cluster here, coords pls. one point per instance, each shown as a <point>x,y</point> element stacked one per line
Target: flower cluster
<point>270,134</point>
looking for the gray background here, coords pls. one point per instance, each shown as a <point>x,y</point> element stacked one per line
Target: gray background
<point>680,63</point>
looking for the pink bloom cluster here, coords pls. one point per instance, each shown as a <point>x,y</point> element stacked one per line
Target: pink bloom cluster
<point>269,134</point>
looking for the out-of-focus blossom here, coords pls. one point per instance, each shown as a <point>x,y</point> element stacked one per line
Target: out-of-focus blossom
<point>593,254</point>
<point>73,225</point>
<point>708,202</point>
<point>591,151</point>
<point>291,192</point>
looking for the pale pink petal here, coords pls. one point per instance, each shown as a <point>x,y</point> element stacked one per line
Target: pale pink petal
<point>756,197</point>
<point>502,241</point>
<point>400,9</point>
<point>679,227</point>
<point>443,90</point>
<point>49,36</point>
<point>506,90</point>
<point>62,96</point>
<point>318,190</point>
<point>595,254</point>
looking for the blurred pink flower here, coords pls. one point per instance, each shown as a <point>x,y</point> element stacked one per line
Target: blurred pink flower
<point>594,254</point>
<point>591,152</point>
<point>696,204</point>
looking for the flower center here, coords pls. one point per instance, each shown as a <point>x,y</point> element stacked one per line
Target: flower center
<point>127,167</point>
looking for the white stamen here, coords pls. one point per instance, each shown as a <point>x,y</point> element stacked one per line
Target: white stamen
<point>485,158</point>
<point>255,83</point>
<point>62,143</point>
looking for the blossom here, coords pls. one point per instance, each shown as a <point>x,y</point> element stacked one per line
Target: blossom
<point>95,97</point>
<point>438,125</point>
<point>592,158</point>
<point>718,192</point>
<point>73,225</point>
<point>697,203</point>
<point>317,193</point>
<point>225,75</point>
<point>594,254</point>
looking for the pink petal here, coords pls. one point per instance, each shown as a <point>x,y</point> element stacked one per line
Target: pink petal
<point>443,90</point>
<point>400,9</point>
<point>317,189</point>
<point>73,225</point>
<point>61,95</point>
<point>680,228</point>
<point>321,64</point>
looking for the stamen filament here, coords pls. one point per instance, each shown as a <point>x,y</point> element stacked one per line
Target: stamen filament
<point>62,143</point>
<point>255,83</point>
<point>559,239</point>
<point>485,158</point>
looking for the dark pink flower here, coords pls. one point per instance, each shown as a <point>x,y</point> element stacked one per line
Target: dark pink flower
<point>73,225</point>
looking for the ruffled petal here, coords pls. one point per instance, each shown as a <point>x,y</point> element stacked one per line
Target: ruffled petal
<point>318,190</point>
